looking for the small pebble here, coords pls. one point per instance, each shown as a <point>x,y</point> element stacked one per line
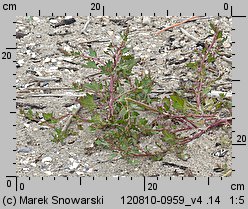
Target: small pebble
<point>33,164</point>
<point>53,68</point>
<point>47,60</point>
<point>37,19</point>
<point>25,149</point>
<point>25,169</point>
<point>80,173</point>
<point>53,60</point>
<point>46,159</point>
<point>20,62</point>
<point>74,166</point>
<point>159,61</point>
<point>146,20</point>
<point>33,55</point>
<point>53,21</point>
<point>26,125</point>
<point>49,173</point>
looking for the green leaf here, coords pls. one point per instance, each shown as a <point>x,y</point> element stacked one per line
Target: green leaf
<point>157,157</point>
<point>74,53</point>
<point>223,40</point>
<point>143,121</point>
<point>206,90</point>
<point>169,138</point>
<point>126,65</point>
<point>123,112</point>
<point>92,53</point>
<point>47,116</point>
<point>96,119</point>
<point>213,27</point>
<point>222,95</point>
<point>112,156</point>
<point>30,114</point>
<point>90,64</point>
<point>211,58</point>
<point>219,35</point>
<point>101,142</point>
<point>59,135</point>
<point>88,102</point>
<point>167,103</point>
<point>134,114</point>
<point>178,102</point>
<point>107,68</point>
<point>125,50</point>
<point>192,65</point>
<point>93,86</point>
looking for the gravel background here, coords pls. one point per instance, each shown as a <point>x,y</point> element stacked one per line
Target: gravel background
<point>40,53</point>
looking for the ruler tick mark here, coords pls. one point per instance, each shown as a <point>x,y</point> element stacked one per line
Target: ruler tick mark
<point>144,183</point>
<point>11,48</point>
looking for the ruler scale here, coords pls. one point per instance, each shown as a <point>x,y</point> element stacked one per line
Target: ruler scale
<point>124,192</point>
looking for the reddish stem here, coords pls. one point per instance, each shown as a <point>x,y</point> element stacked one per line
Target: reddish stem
<point>95,59</point>
<point>200,69</point>
<point>111,99</point>
<point>213,125</point>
